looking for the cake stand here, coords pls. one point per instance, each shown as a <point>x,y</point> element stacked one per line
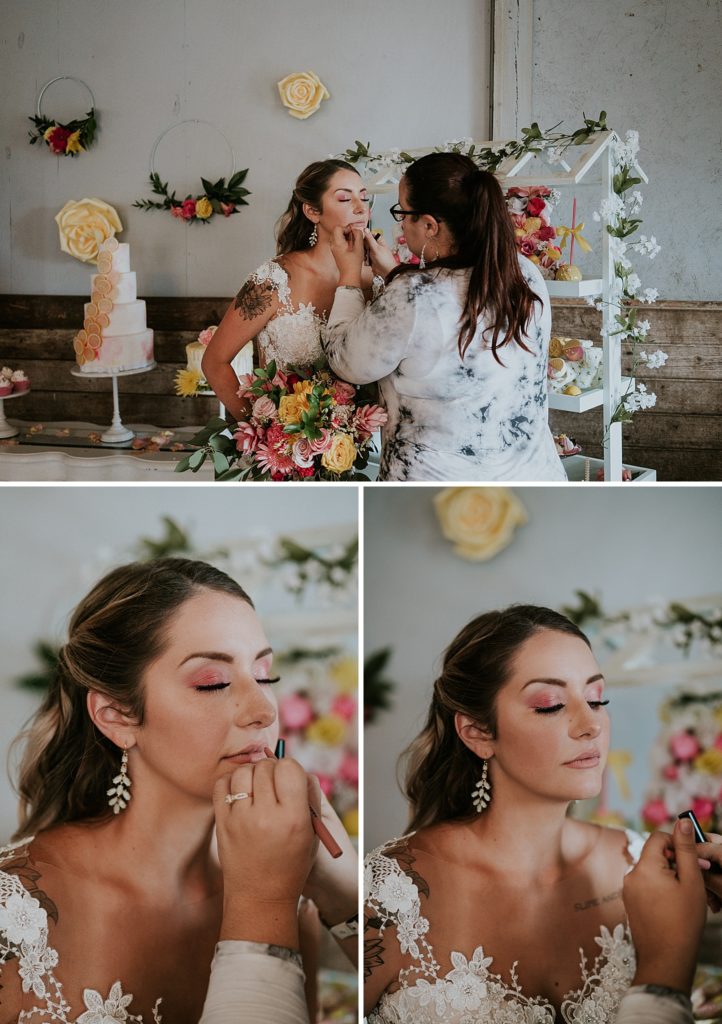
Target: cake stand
<point>116,432</point>
<point>6,429</point>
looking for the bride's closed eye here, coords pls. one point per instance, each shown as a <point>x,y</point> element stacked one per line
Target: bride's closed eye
<point>595,704</point>
<point>212,687</point>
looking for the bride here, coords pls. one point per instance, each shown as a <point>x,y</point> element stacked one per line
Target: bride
<point>496,905</point>
<point>285,302</point>
<point>113,899</point>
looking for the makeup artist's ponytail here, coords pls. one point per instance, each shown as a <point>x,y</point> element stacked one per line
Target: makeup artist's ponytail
<point>440,771</point>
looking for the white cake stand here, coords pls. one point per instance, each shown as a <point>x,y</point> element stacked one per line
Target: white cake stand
<point>7,429</point>
<point>116,432</point>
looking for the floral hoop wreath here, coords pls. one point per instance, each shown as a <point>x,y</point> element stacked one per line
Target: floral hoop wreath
<point>217,197</point>
<point>64,139</point>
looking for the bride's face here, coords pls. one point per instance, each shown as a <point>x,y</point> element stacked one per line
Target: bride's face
<point>345,202</point>
<point>208,703</point>
<point>552,729</point>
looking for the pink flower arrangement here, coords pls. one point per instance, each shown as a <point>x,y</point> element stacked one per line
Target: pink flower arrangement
<point>296,711</point>
<point>684,746</point>
<point>529,208</point>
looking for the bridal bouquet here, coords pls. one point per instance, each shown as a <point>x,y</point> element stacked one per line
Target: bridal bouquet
<point>303,424</point>
<point>530,208</point>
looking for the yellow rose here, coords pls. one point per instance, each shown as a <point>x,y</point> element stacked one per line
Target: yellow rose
<point>83,225</point>
<point>203,208</point>
<point>301,93</point>
<point>709,762</point>
<point>341,456</point>
<point>479,520</point>
<point>289,410</point>
<point>73,143</point>
<point>345,675</point>
<point>328,730</point>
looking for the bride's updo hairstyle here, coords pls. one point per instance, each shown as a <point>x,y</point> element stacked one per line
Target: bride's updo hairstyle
<point>294,228</point>
<point>451,188</point>
<point>440,770</point>
<point>113,636</point>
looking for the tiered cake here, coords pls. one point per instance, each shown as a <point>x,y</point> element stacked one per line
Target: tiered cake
<point>114,335</point>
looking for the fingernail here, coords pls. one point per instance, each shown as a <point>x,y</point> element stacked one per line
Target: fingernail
<point>704,863</point>
<point>685,826</point>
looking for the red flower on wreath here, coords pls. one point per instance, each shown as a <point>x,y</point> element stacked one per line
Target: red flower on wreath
<point>57,139</point>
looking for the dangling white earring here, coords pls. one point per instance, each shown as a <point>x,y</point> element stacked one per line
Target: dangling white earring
<point>422,261</point>
<point>481,794</point>
<point>119,792</point>
<point>313,237</point>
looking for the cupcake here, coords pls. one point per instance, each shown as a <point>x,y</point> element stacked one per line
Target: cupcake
<point>19,381</point>
<point>6,387</point>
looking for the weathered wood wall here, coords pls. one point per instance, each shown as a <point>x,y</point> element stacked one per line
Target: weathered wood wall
<point>681,437</point>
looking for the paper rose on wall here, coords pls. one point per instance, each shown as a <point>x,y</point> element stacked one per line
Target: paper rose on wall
<point>84,224</point>
<point>480,521</point>
<point>302,93</point>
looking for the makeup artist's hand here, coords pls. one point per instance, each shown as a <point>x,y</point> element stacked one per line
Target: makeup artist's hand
<point>333,881</point>
<point>267,847</point>
<point>712,851</point>
<point>380,256</point>
<point>347,246</point>
<point>666,909</point>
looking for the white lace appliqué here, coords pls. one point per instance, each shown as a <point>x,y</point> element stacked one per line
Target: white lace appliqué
<point>24,937</point>
<point>293,336</point>
<point>470,991</point>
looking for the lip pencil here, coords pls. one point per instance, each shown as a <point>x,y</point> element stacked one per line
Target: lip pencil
<point>319,828</point>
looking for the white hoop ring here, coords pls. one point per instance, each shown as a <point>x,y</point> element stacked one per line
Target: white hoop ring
<point>232,797</point>
<point>192,120</point>
<point>64,78</point>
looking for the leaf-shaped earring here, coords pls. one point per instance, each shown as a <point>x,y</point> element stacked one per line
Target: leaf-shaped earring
<point>119,792</point>
<point>481,794</point>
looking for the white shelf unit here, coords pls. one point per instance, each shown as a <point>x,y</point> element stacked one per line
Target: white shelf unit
<point>596,152</point>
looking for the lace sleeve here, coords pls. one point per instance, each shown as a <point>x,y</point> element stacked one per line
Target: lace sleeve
<point>258,290</point>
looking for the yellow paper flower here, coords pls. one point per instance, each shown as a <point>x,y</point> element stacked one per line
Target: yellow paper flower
<point>345,675</point>
<point>709,762</point>
<point>73,143</point>
<point>480,521</point>
<point>328,730</point>
<point>83,225</point>
<point>341,456</point>
<point>203,208</point>
<point>350,821</point>
<point>302,93</point>
<point>187,382</point>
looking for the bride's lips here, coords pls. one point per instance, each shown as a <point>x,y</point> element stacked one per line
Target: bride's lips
<point>589,759</point>
<point>249,755</point>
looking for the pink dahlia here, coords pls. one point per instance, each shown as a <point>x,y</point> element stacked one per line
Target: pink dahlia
<point>343,393</point>
<point>369,418</point>
<point>274,456</point>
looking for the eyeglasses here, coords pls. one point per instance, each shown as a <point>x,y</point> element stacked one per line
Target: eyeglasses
<point>398,214</point>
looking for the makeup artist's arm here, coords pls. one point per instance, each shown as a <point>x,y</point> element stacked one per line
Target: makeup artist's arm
<point>333,881</point>
<point>266,847</point>
<point>712,851</point>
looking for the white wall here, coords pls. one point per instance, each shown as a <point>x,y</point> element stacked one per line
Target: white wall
<point>652,65</point>
<point>628,544</point>
<point>405,73</point>
<point>64,539</point>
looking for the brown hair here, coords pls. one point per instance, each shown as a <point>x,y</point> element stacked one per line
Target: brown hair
<point>294,228</point>
<point>450,187</point>
<point>115,632</point>
<point>441,771</point>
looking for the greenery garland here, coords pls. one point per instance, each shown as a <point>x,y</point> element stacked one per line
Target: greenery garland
<point>65,139</point>
<point>217,198</point>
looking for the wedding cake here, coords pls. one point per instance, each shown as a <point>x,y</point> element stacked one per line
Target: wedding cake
<point>114,335</point>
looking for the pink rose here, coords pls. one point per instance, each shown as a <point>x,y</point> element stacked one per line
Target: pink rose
<point>369,418</point>
<point>228,209</point>
<point>58,139</point>
<point>704,811</point>
<point>684,746</point>
<point>295,711</point>
<point>344,706</point>
<point>655,813</point>
<point>189,209</point>
<point>343,393</point>
<point>303,452</point>
<point>264,409</point>
<point>247,437</point>
<point>348,769</point>
<point>205,336</point>
<point>547,232</point>
<point>322,443</point>
<point>671,772</point>
<point>528,247</point>
<point>535,206</point>
<point>176,211</point>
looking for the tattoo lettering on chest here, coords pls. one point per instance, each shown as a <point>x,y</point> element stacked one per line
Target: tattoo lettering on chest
<point>598,901</point>
<point>254,299</point>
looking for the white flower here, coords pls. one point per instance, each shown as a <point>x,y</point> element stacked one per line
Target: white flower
<point>22,919</point>
<point>467,985</point>
<point>639,399</point>
<point>633,284</point>
<point>647,246</point>
<point>635,201</point>
<point>112,1011</point>
<point>642,327</point>
<point>654,359</point>
<point>649,295</point>
<point>35,962</point>
<point>610,209</point>
<point>398,894</point>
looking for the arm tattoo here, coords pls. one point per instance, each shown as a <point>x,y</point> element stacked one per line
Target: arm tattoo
<point>254,298</point>
<point>598,901</point>
<point>373,949</point>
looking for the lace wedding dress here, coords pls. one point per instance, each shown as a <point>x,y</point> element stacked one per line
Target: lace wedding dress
<point>471,991</point>
<point>292,336</point>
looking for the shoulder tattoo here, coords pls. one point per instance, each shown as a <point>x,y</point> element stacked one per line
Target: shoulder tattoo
<point>373,948</point>
<point>254,298</point>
